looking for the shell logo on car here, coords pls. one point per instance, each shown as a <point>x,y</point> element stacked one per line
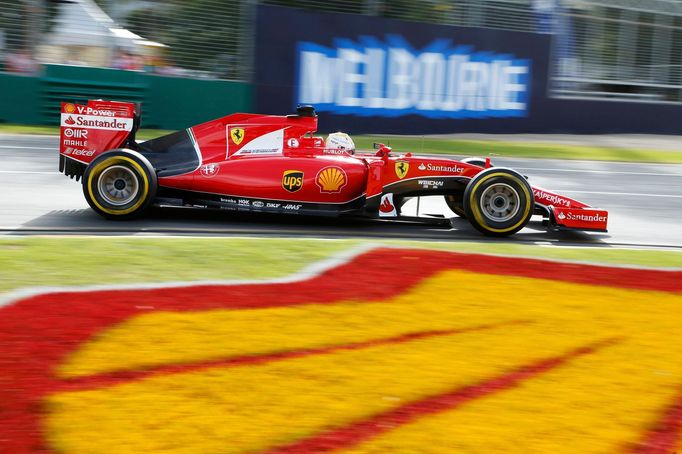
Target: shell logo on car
<point>331,179</point>
<point>395,350</point>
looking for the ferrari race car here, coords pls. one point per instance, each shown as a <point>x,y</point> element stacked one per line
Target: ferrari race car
<point>267,163</point>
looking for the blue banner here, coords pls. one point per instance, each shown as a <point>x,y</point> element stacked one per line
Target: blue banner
<point>368,74</point>
<point>390,78</point>
<point>371,74</point>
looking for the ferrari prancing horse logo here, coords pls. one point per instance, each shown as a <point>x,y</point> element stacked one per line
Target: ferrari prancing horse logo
<point>401,168</point>
<point>237,135</point>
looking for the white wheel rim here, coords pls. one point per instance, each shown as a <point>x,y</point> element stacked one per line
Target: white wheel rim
<point>118,185</point>
<point>500,202</point>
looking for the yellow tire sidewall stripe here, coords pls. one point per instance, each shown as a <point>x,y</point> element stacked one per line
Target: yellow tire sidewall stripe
<point>97,170</point>
<point>477,212</point>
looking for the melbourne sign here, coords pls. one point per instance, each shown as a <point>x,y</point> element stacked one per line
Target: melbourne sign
<point>369,74</point>
<point>389,77</point>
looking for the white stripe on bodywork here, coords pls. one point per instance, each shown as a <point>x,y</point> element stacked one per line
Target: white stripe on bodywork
<point>271,143</point>
<point>196,147</point>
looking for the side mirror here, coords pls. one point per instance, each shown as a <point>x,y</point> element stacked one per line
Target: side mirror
<point>384,151</point>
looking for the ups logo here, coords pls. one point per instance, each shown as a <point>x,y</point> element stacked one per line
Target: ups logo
<point>292,180</point>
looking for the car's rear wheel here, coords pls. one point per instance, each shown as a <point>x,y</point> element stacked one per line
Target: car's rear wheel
<point>456,201</point>
<point>498,202</point>
<point>120,184</point>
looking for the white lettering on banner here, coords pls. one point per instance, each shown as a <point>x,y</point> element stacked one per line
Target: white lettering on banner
<point>96,122</point>
<point>439,82</point>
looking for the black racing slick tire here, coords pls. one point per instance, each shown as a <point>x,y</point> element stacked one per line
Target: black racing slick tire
<point>456,201</point>
<point>498,202</point>
<point>120,184</point>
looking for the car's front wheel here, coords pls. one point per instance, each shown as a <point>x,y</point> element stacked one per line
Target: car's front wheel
<point>119,184</point>
<point>498,202</point>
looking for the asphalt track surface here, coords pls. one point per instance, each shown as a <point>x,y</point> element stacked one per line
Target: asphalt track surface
<point>644,203</point>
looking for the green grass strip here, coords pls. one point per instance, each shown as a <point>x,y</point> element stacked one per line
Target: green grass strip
<point>430,145</point>
<point>607,256</point>
<point>73,261</point>
<point>50,261</point>
<point>142,134</point>
<point>493,148</point>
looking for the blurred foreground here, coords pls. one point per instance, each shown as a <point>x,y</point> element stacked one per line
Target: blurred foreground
<point>383,350</point>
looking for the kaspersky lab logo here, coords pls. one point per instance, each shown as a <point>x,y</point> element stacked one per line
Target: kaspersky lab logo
<point>391,78</point>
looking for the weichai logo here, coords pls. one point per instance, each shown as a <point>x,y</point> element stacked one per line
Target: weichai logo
<point>292,180</point>
<point>375,366</point>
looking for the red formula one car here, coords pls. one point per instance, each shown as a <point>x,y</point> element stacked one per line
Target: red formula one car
<point>266,163</point>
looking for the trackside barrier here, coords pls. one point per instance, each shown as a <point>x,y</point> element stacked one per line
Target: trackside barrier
<point>167,102</point>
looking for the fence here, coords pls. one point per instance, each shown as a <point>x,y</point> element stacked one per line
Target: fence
<point>620,49</point>
<point>617,52</point>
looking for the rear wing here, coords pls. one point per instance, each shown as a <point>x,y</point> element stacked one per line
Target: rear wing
<point>91,129</point>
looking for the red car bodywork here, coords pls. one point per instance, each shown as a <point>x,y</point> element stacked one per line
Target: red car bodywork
<point>273,163</point>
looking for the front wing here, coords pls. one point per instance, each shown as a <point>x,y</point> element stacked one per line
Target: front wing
<point>567,213</point>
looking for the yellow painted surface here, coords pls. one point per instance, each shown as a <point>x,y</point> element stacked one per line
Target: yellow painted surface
<point>599,403</point>
<point>594,403</point>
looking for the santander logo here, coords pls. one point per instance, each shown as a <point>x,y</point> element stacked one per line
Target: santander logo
<point>386,206</point>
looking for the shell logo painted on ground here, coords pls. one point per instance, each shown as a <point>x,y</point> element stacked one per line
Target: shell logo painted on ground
<point>395,351</point>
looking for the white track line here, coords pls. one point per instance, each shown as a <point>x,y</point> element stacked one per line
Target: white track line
<point>633,194</point>
<point>306,273</point>
<point>605,172</point>
<point>28,172</point>
<point>13,147</point>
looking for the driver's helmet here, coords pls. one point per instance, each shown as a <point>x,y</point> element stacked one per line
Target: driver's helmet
<point>340,141</point>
